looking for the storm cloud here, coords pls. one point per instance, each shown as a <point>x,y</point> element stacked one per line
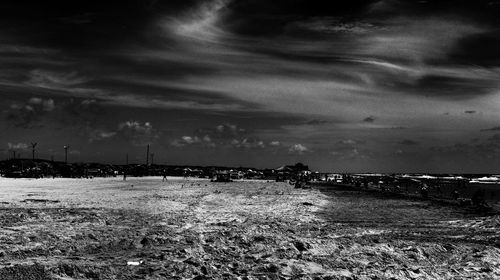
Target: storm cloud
<point>304,74</point>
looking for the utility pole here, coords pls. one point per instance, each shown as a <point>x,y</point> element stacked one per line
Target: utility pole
<point>147,155</point>
<point>66,154</point>
<point>33,145</point>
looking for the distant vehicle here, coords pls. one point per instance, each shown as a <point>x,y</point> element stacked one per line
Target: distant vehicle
<point>13,174</point>
<point>281,177</point>
<point>301,180</point>
<point>222,176</point>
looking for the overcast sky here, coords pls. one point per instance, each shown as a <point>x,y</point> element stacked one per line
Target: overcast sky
<point>381,86</point>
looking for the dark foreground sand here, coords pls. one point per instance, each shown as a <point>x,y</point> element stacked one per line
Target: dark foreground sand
<point>184,229</point>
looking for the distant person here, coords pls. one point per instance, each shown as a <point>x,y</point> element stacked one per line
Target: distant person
<point>397,189</point>
<point>439,191</point>
<point>298,181</point>
<point>164,172</point>
<point>424,191</point>
<point>478,198</point>
<point>124,176</point>
<point>455,195</point>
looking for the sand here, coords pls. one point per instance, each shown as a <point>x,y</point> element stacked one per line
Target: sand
<point>143,228</point>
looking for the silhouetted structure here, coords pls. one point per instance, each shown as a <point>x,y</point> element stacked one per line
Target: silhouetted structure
<point>33,145</point>
<point>66,154</point>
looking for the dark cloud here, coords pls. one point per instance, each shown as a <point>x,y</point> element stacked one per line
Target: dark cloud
<point>496,128</point>
<point>484,151</point>
<point>167,95</point>
<point>223,131</point>
<point>74,113</point>
<point>99,134</point>
<point>349,149</point>
<point>264,18</point>
<point>408,142</point>
<point>86,24</point>
<point>295,74</point>
<point>298,149</point>
<point>455,87</point>
<point>133,132</point>
<point>17,146</point>
<point>28,114</point>
<point>248,143</point>
<point>495,138</point>
<point>275,143</point>
<point>347,143</point>
<point>352,153</point>
<point>369,119</point>
<point>316,122</point>
<point>186,140</point>
<point>78,112</point>
<point>445,87</point>
<point>138,133</point>
<point>220,135</point>
<point>223,135</point>
<point>475,150</point>
<point>478,49</point>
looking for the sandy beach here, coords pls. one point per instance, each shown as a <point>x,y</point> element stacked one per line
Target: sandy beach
<point>144,228</point>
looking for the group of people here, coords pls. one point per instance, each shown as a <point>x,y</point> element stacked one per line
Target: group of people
<point>300,181</point>
<point>478,197</point>
<point>164,174</point>
<point>425,191</point>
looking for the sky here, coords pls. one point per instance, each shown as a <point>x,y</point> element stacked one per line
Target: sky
<point>343,86</point>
